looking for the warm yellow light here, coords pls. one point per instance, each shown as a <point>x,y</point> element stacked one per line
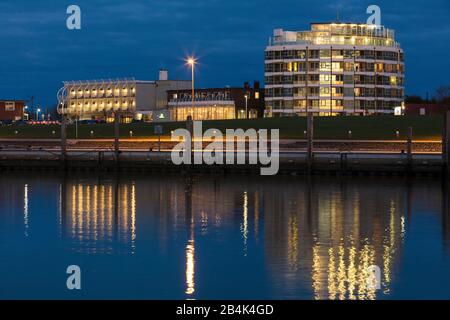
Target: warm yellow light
<point>190,268</point>
<point>191,61</point>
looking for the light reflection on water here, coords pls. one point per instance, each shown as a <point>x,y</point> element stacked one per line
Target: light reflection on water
<point>208,237</point>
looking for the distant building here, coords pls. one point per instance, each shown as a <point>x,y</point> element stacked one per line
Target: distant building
<point>134,99</point>
<point>217,103</point>
<point>12,110</point>
<point>425,109</point>
<point>334,69</point>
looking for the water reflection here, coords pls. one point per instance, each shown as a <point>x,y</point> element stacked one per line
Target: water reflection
<point>25,209</point>
<point>99,217</point>
<point>317,237</point>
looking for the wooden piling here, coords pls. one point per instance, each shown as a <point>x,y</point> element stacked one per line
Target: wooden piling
<point>63,140</point>
<point>409,148</point>
<point>116,136</point>
<point>446,143</point>
<point>310,136</point>
<point>190,128</point>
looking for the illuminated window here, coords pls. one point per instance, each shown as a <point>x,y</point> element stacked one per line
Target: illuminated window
<point>10,106</point>
<point>257,95</point>
<point>324,91</point>
<point>324,78</point>
<point>325,66</point>
<point>393,80</point>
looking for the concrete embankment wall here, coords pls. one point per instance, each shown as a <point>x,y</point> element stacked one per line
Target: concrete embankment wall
<point>290,162</point>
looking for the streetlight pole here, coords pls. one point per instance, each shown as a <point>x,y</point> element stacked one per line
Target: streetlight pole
<point>246,106</point>
<point>193,91</point>
<point>37,114</point>
<point>191,61</point>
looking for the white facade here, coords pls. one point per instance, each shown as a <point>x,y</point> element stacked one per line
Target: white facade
<point>99,99</point>
<point>335,68</point>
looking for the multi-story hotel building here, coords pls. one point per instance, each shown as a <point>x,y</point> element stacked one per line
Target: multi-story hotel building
<point>99,99</point>
<point>334,69</point>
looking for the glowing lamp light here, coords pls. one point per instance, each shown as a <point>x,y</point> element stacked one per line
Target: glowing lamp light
<point>191,61</point>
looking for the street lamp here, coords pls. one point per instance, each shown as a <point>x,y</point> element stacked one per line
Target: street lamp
<point>37,114</point>
<point>246,106</point>
<point>25,113</point>
<point>192,62</point>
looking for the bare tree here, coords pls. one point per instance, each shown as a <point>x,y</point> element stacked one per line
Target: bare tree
<point>443,95</point>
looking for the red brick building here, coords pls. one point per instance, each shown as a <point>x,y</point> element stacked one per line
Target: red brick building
<point>425,109</point>
<point>11,110</point>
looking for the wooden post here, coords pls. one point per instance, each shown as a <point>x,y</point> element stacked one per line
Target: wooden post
<point>116,136</point>
<point>190,128</point>
<point>446,143</point>
<point>63,139</point>
<point>310,135</point>
<point>159,143</point>
<point>409,147</point>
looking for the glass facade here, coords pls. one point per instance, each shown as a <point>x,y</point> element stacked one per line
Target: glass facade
<point>222,112</point>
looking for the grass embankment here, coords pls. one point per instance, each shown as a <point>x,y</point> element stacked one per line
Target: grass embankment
<point>362,128</point>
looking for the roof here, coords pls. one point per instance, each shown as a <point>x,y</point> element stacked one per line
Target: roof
<point>217,89</point>
<point>13,100</point>
<point>340,22</point>
<point>426,105</point>
<point>131,80</point>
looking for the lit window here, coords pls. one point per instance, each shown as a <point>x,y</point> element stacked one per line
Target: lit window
<point>393,80</point>
<point>257,95</point>
<point>10,106</point>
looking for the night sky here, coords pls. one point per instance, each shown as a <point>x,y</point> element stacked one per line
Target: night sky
<point>137,38</point>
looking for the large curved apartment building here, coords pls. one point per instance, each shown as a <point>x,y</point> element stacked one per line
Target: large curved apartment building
<point>334,69</point>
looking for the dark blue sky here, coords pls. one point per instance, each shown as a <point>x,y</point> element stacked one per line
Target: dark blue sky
<point>137,38</point>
